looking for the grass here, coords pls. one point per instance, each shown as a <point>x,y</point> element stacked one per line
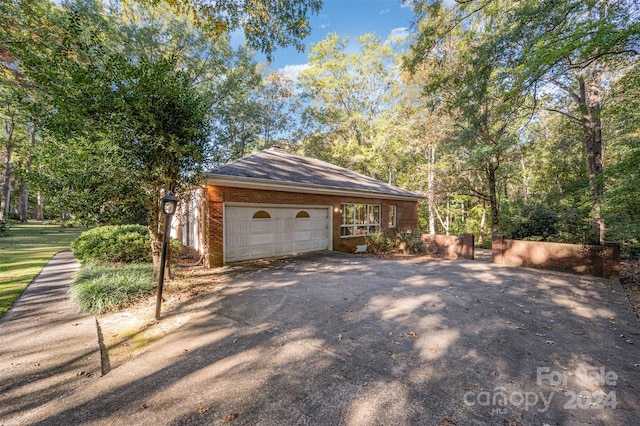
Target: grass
<point>24,250</point>
<point>101,288</point>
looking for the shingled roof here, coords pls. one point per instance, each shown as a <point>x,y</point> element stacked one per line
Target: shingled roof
<point>276,168</point>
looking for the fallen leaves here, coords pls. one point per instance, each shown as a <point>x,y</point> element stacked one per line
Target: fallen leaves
<point>447,421</point>
<point>202,410</point>
<point>142,406</point>
<point>230,417</point>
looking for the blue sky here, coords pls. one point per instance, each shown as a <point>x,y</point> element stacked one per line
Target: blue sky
<point>351,18</point>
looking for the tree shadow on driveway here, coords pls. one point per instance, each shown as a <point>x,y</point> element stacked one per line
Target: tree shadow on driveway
<point>343,339</point>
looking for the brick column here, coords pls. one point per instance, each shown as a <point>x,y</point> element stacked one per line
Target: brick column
<point>496,249</point>
<point>468,248</point>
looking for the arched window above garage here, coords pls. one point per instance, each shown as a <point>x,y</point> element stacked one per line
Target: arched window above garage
<point>261,214</point>
<point>302,215</point>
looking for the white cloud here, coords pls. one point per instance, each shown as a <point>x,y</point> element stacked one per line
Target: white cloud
<point>292,71</point>
<point>399,33</point>
<point>384,12</point>
<point>324,26</point>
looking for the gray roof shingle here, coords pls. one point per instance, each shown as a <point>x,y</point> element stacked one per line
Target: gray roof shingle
<point>275,165</point>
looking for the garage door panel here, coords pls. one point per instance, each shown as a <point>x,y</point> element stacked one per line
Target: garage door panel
<point>261,226</point>
<point>255,232</point>
<point>262,250</point>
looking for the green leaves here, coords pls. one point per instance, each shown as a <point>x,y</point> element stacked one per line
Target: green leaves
<point>266,24</point>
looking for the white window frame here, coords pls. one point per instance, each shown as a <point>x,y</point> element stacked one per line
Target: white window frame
<point>393,215</point>
<point>358,220</point>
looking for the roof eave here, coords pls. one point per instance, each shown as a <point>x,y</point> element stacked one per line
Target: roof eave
<point>270,185</point>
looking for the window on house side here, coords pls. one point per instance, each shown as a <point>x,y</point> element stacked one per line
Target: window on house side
<point>359,219</point>
<point>261,214</point>
<point>392,215</point>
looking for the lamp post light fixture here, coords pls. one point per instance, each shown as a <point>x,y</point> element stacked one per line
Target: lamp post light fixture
<point>169,204</point>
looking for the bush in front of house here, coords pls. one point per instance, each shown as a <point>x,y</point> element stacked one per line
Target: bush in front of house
<point>388,241</point>
<point>410,242</point>
<point>101,288</point>
<point>380,242</point>
<point>116,267</point>
<point>113,244</point>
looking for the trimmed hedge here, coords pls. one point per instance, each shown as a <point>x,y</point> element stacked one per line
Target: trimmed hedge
<point>113,244</point>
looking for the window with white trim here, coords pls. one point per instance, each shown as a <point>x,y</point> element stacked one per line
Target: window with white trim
<point>359,219</point>
<point>393,210</point>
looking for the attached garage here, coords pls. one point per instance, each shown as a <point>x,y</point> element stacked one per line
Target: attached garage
<point>273,203</point>
<point>257,231</point>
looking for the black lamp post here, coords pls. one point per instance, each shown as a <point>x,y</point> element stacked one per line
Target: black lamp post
<point>169,204</point>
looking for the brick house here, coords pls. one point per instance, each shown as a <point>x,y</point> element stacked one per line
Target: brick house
<point>273,203</point>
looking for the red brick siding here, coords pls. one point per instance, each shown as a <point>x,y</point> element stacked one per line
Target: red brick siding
<point>407,213</point>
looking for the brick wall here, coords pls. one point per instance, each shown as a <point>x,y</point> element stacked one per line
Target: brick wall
<point>407,214</point>
<point>598,261</point>
<point>449,246</point>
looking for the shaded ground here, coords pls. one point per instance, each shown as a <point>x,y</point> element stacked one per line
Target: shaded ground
<point>341,339</point>
<point>630,280</point>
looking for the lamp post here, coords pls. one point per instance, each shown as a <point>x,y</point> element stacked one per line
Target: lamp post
<point>169,204</point>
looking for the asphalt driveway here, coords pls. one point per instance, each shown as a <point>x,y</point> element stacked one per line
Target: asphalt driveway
<point>343,339</point>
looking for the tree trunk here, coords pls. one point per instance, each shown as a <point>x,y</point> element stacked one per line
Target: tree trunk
<point>23,202</point>
<point>156,234</point>
<point>448,218</point>
<point>482,222</point>
<point>493,198</point>
<point>592,131</point>
<point>525,179</point>
<point>6,188</point>
<point>40,207</point>
<point>431,193</point>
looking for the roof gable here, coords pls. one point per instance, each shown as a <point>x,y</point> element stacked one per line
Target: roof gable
<point>276,166</point>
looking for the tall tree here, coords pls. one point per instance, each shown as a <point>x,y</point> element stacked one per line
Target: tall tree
<point>280,108</point>
<point>571,45</point>
<point>471,81</point>
<point>266,24</point>
<point>348,94</point>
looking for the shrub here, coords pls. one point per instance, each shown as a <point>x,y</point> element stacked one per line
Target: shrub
<point>409,242</point>
<point>387,241</point>
<point>176,248</point>
<point>380,242</point>
<point>106,288</point>
<point>537,225</point>
<point>113,244</point>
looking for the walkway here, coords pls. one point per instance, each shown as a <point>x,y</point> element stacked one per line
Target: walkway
<point>47,348</point>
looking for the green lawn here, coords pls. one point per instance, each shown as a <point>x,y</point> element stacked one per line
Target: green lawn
<point>24,250</point>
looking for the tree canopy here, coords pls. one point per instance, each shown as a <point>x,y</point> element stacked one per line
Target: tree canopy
<point>511,117</point>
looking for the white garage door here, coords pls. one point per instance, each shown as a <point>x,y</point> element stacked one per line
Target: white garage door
<point>256,232</point>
